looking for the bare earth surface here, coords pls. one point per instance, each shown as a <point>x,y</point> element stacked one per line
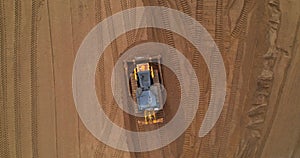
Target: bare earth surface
<point>259,41</point>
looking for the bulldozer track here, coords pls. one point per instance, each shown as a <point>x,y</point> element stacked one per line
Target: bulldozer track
<point>233,92</point>
<point>114,47</point>
<point>168,35</point>
<point>140,128</point>
<point>187,137</point>
<point>164,150</point>
<point>99,152</point>
<point>132,4</point>
<point>169,39</point>
<point>17,79</point>
<point>4,150</point>
<point>202,101</point>
<point>113,109</point>
<point>219,25</point>
<point>133,87</point>
<point>185,6</point>
<point>33,75</point>
<point>199,11</point>
<point>243,18</point>
<point>187,150</point>
<point>195,61</point>
<point>98,14</point>
<point>219,38</point>
<point>156,79</point>
<point>99,18</point>
<point>124,5</point>
<point>239,30</point>
<point>101,71</point>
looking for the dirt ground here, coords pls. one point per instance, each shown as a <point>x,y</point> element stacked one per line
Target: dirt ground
<point>259,42</point>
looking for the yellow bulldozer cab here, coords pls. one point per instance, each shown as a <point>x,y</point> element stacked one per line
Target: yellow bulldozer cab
<point>143,67</point>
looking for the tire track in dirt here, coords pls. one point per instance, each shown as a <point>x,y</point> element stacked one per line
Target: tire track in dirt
<point>202,101</point>
<point>63,53</point>
<point>232,96</point>
<point>209,17</point>
<point>33,72</point>
<point>226,115</point>
<point>4,145</point>
<point>113,108</point>
<point>191,133</point>
<point>196,65</point>
<point>17,79</point>
<point>130,34</point>
<point>141,129</point>
<point>78,118</point>
<point>188,143</point>
<point>219,38</point>
<point>240,32</point>
<point>108,10</point>
<point>99,17</point>
<point>232,99</point>
<point>53,74</point>
<point>168,37</point>
<point>165,151</point>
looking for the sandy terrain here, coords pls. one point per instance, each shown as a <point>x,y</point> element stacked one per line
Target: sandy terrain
<point>259,43</point>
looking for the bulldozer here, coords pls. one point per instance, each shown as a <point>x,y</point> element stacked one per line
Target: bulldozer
<point>145,87</point>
